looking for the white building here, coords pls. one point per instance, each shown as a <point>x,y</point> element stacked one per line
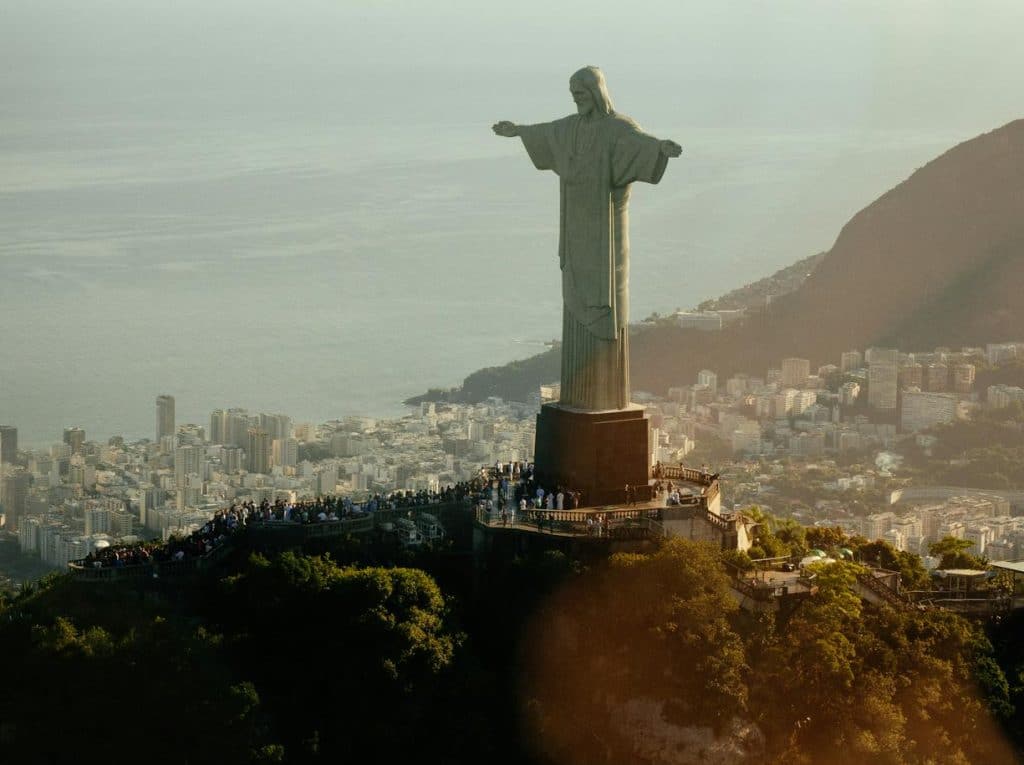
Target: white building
<point>795,372</point>
<point>851,360</point>
<point>708,321</point>
<point>882,386</point>
<point>999,396</point>
<point>708,378</point>
<point>923,410</point>
<point>746,438</point>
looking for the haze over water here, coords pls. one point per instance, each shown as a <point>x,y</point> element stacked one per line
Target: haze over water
<point>308,212</point>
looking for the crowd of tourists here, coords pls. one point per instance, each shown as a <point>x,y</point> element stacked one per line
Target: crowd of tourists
<point>230,520</point>
<point>512,487</point>
<point>202,541</point>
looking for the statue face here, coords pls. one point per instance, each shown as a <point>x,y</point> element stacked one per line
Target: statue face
<point>581,95</point>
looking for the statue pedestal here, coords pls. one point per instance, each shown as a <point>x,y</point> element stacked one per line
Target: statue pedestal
<point>596,453</point>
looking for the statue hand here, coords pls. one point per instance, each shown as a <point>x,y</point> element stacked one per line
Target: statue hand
<point>506,129</point>
<point>671,149</point>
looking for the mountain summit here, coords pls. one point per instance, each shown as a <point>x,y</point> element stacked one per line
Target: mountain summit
<point>937,260</point>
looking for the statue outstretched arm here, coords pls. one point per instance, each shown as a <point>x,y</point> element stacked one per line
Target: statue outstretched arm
<point>671,149</point>
<point>505,129</point>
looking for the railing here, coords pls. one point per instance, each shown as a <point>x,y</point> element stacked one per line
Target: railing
<point>690,500</point>
<point>808,581</point>
<point>317,530</point>
<point>109,573</point>
<point>580,516</point>
<point>656,528</point>
<point>709,482</point>
<point>712,492</point>
<point>152,569</point>
<point>759,592</point>
<point>638,523</point>
<point>680,473</point>
<point>870,581</point>
<point>717,521</point>
<point>438,509</point>
<point>991,605</point>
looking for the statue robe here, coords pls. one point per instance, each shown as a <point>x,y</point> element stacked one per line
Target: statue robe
<point>596,162</point>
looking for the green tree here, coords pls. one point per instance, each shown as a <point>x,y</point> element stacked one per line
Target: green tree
<point>847,683</point>
<point>335,634</point>
<point>162,683</point>
<point>826,538</point>
<point>883,555</point>
<point>653,626</point>
<point>952,553</point>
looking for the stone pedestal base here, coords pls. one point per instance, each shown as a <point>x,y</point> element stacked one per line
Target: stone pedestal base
<point>596,453</point>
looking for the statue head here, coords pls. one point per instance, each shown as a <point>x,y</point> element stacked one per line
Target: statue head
<point>590,92</point>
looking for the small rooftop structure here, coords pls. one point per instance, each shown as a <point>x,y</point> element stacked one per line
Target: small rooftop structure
<point>1014,567</point>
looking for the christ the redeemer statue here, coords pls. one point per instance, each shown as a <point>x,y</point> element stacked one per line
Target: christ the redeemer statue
<point>596,154</point>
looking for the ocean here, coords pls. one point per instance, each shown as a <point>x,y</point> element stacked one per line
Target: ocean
<point>336,267</point>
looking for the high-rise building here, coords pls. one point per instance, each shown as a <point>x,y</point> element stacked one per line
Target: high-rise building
<point>14,485</point>
<point>75,438</point>
<point>882,386</point>
<point>782,403</point>
<point>999,396</point>
<point>848,393</point>
<point>188,460</point>
<point>746,438</point>
<point>827,371</point>
<point>8,444</point>
<point>218,426</point>
<point>963,378</point>
<point>285,452</point>
<point>875,525</point>
<point>883,379</point>
<point>231,459</point>
<point>850,360</point>
<point>258,451</point>
<point>911,376</point>
<point>881,356</point>
<point>996,353</point>
<point>738,385</point>
<point>278,426</point>
<point>922,410</point>
<point>97,520</point>
<point>191,434</point>
<point>237,427</point>
<point>795,372</point>
<point>150,498</point>
<point>936,378</point>
<point>709,378</point>
<point>164,416</point>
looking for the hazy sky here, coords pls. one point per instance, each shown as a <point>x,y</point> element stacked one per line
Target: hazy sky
<point>886,63</point>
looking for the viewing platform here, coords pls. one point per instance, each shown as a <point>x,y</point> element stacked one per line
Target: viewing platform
<point>640,522</point>
<point>769,590</point>
<point>165,569</point>
<point>279,535</point>
<point>683,502</point>
<point>693,515</point>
